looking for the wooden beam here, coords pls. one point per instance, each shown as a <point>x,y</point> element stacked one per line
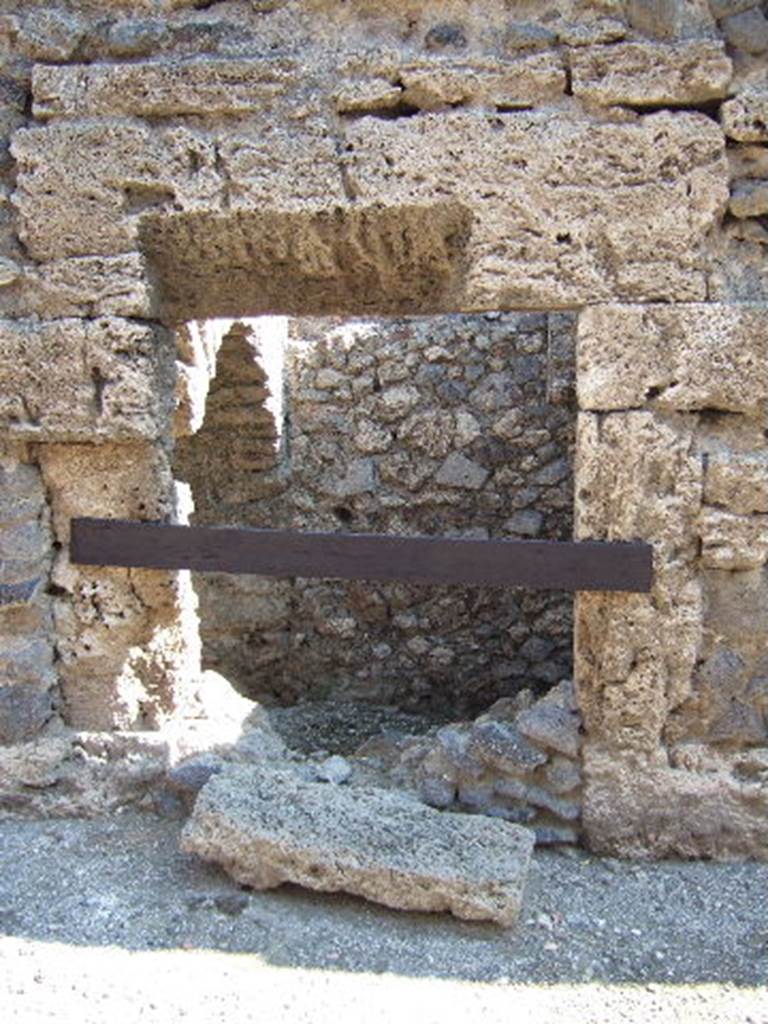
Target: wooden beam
<point>538,565</point>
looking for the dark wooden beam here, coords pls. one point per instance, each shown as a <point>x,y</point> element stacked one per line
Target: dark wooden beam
<point>539,565</point>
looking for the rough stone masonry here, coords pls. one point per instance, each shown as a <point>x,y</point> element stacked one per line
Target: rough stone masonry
<point>165,162</point>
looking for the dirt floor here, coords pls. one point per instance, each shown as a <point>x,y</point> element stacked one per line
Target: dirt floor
<point>106,919</point>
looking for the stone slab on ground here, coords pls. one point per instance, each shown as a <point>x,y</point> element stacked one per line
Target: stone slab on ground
<point>266,827</point>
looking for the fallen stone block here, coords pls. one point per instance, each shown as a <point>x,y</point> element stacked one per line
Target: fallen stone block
<point>265,827</point>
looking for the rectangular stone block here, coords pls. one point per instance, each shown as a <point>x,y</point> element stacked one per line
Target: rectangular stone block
<point>90,286</point>
<point>84,379</point>
<point>516,83</point>
<point>638,477</point>
<point>651,74</point>
<point>737,480</point>
<point>560,204</point>
<point>733,542</point>
<point>127,639</point>
<point>267,827</point>
<point>212,85</point>
<point>690,357</point>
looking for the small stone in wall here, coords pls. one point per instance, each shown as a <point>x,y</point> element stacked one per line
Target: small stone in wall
<point>136,38</point>
<point>552,727</point>
<point>562,775</point>
<point>335,769</point>
<point>502,745</point>
<point>447,34</point>
<point>459,471</point>
<point>747,31</point>
<point>528,35</point>
<point>749,199</point>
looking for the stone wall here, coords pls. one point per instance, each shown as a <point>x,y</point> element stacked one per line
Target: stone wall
<point>162,162</point>
<point>442,426</point>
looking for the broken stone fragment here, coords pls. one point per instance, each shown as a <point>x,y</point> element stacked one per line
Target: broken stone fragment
<point>649,74</point>
<point>335,769</point>
<point>745,117</point>
<point>266,827</point>
<point>551,726</point>
<point>502,745</point>
<point>749,199</point>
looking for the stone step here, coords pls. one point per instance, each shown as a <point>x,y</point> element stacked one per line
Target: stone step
<point>266,826</point>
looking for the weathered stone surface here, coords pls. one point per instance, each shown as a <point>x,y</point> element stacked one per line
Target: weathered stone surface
<point>551,726</point>
<point>459,471</point>
<point>548,167</point>
<point>747,31</point>
<point>109,379</point>
<point>749,199</point>
<point>90,286</point>
<point>733,542</point>
<point>673,358</point>
<point>24,710</point>
<point>636,809</point>
<point>737,480</point>
<point>266,827</point>
<point>49,35</point>
<point>502,745</point>
<point>726,706</point>
<point>637,477</point>
<point>127,640</point>
<point>519,83</point>
<point>160,89</point>
<point>528,35</point>
<point>651,74</point>
<point>745,117</point>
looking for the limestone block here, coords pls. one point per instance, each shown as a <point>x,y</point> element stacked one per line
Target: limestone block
<point>638,196</point>
<point>638,477</point>
<point>745,117</point>
<point>690,357</point>
<point>639,809</point>
<point>517,83</point>
<point>126,637</point>
<point>364,95</point>
<point>647,74</point>
<point>266,827</point>
<point>160,88</point>
<point>83,379</point>
<point>748,161</point>
<point>733,542</point>
<point>83,186</point>
<point>737,480</point>
<point>528,35</point>
<point>90,286</point>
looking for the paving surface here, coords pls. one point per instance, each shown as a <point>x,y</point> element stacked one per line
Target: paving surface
<point>107,918</point>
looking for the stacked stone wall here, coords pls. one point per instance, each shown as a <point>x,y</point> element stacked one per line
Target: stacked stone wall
<point>439,426</point>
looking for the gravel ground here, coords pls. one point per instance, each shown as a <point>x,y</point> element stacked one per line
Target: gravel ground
<point>107,918</point>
